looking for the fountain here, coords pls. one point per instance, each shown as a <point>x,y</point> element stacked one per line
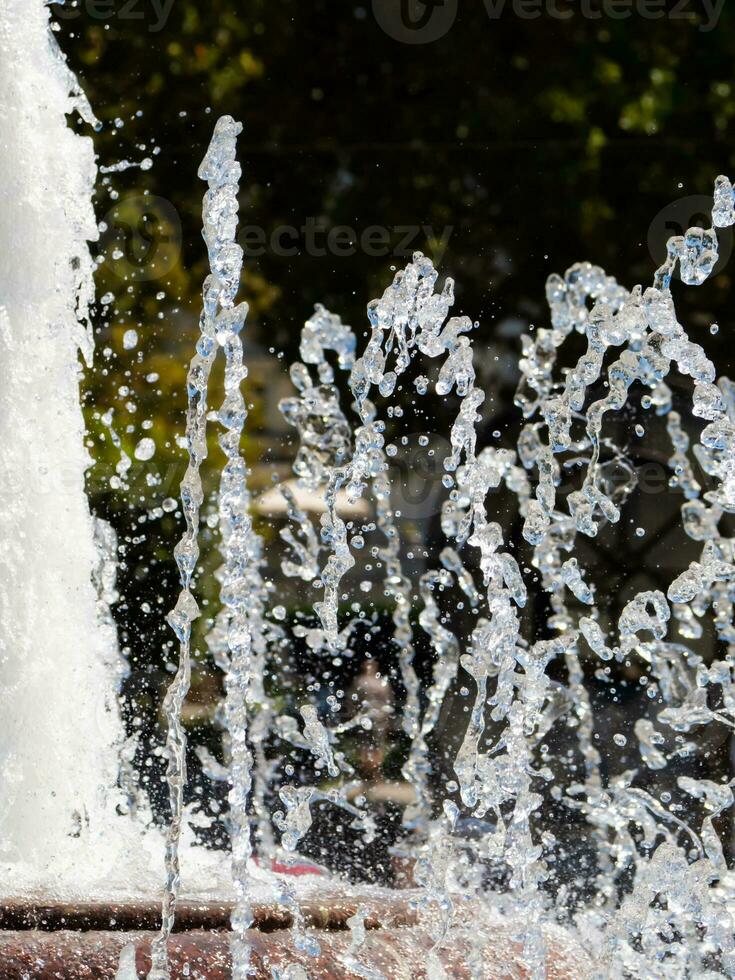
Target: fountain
<point>495,888</point>
<point>61,732</point>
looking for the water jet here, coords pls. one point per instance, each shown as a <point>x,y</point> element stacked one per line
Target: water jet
<point>491,882</point>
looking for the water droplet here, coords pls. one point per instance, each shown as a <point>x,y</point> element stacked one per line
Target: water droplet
<point>145,449</point>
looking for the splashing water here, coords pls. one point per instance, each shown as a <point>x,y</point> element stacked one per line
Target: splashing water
<point>240,632</point>
<point>658,897</point>
<point>674,915</point>
<point>73,825</point>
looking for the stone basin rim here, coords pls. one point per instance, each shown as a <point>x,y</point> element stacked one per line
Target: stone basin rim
<point>327,912</point>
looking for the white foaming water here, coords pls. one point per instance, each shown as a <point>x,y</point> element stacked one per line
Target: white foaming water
<point>61,727</point>
<point>61,832</point>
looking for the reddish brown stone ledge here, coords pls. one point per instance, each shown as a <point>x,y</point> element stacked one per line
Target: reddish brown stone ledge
<point>399,954</point>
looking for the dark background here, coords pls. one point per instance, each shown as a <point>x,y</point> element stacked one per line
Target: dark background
<point>533,143</point>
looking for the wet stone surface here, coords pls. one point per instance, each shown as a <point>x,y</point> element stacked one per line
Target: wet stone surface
<point>399,954</point>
